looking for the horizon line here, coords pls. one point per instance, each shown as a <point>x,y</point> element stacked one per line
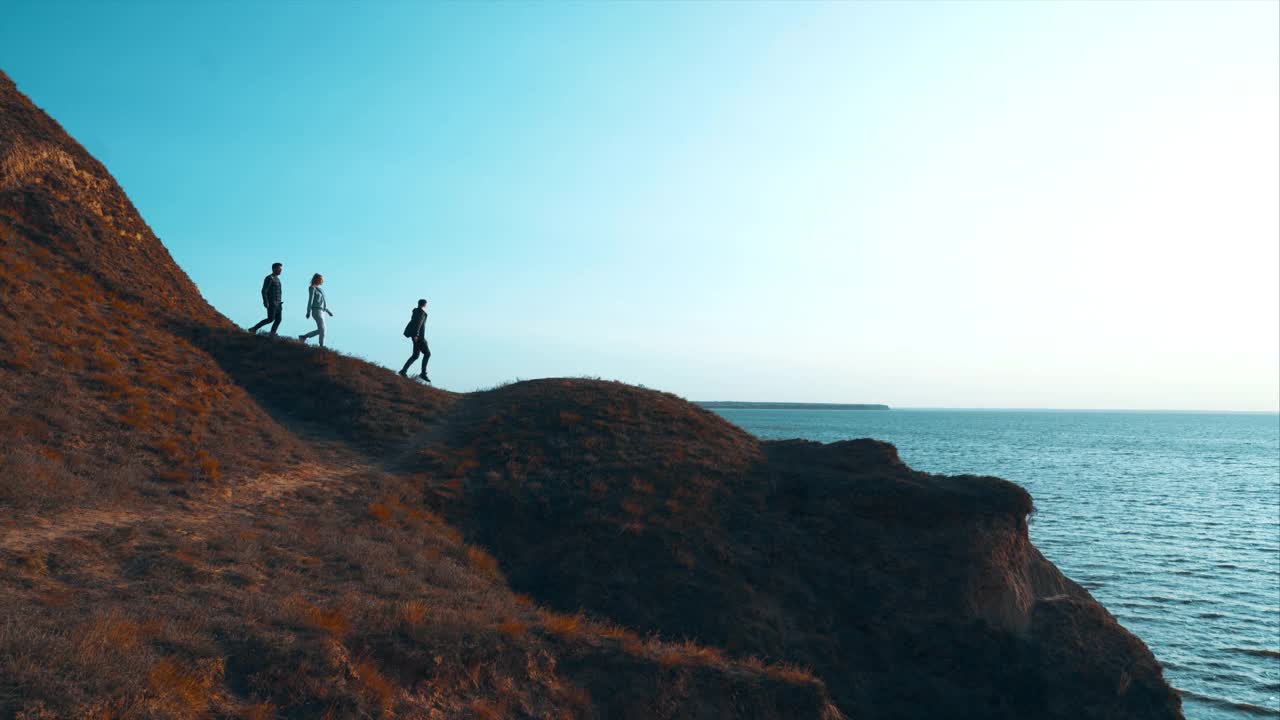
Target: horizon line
<point>1002,408</point>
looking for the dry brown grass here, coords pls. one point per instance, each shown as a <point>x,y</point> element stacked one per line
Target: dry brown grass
<point>183,691</point>
<point>380,512</point>
<point>790,673</point>
<point>116,632</point>
<point>258,711</point>
<point>512,628</point>
<point>482,561</point>
<point>687,653</point>
<point>565,626</point>
<point>377,688</point>
<point>413,612</point>
<point>169,427</point>
<point>486,710</point>
<point>333,621</point>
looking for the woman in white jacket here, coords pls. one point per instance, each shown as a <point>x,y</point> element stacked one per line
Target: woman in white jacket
<point>316,308</point>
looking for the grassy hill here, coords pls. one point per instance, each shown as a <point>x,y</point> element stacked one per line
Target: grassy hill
<point>199,523</point>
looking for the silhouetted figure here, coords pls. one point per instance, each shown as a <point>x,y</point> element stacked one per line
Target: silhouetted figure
<point>272,299</point>
<point>316,308</point>
<point>417,331</point>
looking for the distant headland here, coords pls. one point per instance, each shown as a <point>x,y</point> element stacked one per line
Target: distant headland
<point>735,405</point>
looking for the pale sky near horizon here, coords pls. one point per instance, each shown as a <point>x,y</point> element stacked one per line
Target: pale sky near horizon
<point>940,204</point>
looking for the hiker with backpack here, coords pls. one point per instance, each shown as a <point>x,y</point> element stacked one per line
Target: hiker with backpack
<point>416,330</point>
<point>272,300</point>
<point>316,308</point>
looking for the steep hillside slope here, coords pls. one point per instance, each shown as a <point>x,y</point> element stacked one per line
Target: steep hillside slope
<point>100,399</point>
<point>118,374</point>
<point>197,523</point>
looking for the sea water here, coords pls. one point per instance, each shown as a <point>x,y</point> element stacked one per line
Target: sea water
<point>1171,520</point>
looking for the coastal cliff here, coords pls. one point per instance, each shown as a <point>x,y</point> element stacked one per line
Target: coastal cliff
<point>905,592</point>
<point>188,533</point>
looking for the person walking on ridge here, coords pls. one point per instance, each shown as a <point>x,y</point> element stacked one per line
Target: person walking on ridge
<point>272,299</point>
<point>417,331</point>
<point>316,308</point>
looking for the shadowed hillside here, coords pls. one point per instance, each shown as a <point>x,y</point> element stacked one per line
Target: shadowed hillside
<point>904,591</point>
<point>202,523</point>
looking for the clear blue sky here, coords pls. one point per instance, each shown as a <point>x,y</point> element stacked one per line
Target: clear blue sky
<point>925,204</point>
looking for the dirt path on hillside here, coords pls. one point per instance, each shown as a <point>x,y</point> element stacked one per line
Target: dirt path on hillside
<point>247,498</point>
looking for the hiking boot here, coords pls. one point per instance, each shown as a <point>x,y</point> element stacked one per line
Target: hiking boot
<point>403,373</point>
<point>303,338</point>
<point>423,377</point>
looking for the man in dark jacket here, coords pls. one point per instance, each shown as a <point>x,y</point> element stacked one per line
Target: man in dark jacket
<point>416,330</point>
<point>272,299</point>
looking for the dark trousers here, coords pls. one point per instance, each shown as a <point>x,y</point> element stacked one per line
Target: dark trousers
<point>420,347</point>
<point>274,313</point>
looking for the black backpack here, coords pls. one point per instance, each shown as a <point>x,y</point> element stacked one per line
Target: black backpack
<point>415,325</point>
